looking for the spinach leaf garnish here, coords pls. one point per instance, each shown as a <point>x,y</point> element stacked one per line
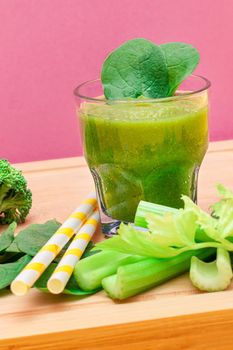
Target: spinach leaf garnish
<point>141,68</point>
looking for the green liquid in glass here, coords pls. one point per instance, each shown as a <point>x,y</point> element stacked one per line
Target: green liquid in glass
<point>144,151</point>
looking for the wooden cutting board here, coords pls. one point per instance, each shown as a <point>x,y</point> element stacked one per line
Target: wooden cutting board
<point>171,316</point>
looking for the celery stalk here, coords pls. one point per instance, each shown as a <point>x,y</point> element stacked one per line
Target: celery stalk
<point>147,207</point>
<point>89,272</point>
<point>213,276</point>
<point>138,277</point>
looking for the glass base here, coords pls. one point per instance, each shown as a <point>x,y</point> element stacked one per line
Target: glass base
<point>109,226</point>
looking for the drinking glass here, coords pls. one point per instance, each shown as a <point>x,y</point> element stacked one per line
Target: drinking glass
<point>143,149</point>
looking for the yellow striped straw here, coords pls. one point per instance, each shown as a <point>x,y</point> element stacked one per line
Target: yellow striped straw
<point>61,275</point>
<point>30,274</point>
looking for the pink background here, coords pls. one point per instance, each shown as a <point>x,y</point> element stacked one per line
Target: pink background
<point>47,47</point>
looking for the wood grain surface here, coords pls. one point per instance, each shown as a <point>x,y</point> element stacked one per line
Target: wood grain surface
<point>171,316</point>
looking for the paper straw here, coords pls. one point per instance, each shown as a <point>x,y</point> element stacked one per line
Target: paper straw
<point>30,274</point>
<point>61,275</point>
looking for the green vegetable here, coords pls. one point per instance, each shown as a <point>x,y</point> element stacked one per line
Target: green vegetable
<point>10,257</point>
<point>71,287</point>
<point>15,197</point>
<point>134,242</point>
<point>138,277</point>
<point>140,68</point>
<point>90,272</point>
<point>149,244</point>
<point>181,61</point>
<point>7,237</point>
<point>136,68</point>
<point>213,276</point>
<point>13,248</point>
<point>9,271</point>
<point>145,208</point>
<point>218,229</point>
<point>34,237</point>
<point>173,233</point>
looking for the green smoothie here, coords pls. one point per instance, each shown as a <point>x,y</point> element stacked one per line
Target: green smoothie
<point>144,151</point>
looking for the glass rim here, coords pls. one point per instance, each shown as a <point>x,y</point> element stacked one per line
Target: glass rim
<point>206,86</point>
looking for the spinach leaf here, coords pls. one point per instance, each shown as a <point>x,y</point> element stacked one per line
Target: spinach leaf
<point>71,287</point>
<point>136,68</point>
<point>7,237</point>
<point>13,248</point>
<point>10,257</point>
<point>141,68</point>
<point>32,238</point>
<point>181,60</point>
<point>9,271</point>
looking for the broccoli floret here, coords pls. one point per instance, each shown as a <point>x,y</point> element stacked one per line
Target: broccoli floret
<point>15,197</point>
